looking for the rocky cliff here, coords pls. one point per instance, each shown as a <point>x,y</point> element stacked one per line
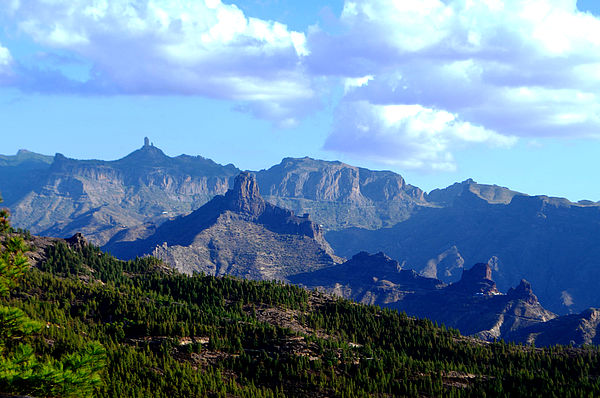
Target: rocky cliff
<point>101,198</point>
<point>338,195</point>
<point>575,329</point>
<point>475,306</point>
<point>238,234</point>
<point>59,196</point>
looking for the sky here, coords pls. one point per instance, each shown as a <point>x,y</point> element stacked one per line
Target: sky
<point>505,92</point>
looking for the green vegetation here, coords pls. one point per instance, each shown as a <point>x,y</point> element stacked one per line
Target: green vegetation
<point>170,335</point>
<point>71,373</point>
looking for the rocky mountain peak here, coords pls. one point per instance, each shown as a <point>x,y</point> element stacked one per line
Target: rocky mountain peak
<point>480,271</point>
<point>469,190</point>
<point>245,196</point>
<point>477,280</point>
<point>523,292</point>
<point>147,155</point>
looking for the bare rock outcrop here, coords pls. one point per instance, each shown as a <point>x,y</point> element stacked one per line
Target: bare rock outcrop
<point>239,234</point>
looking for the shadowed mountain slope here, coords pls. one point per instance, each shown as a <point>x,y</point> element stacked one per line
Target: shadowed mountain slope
<point>548,241</point>
<point>19,174</point>
<point>369,279</point>
<point>475,306</point>
<point>472,305</point>
<point>489,193</point>
<point>239,234</point>
<point>576,329</point>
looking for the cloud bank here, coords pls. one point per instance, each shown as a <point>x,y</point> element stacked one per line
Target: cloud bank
<point>418,79</point>
<point>189,47</point>
<point>509,68</point>
<point>409,136</point>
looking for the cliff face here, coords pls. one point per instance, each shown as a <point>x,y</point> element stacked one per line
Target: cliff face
<point>475,306</point>
<point>100,198</point>
<point>576,329</point>
<point>338,195</point>
<point>236,234</point>
<point>60,196</point>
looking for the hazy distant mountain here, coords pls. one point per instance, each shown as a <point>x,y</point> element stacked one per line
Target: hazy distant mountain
<point>101,198</point>
<point>59,196</point>
<point>489,193</point>
<point>551,242</point>
<point>338,195</point>
<point>20,173</point>
<point>235,234</point>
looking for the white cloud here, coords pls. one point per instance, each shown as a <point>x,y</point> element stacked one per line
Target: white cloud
<point>6,61</point>
<point>512,67</point>
<point>433,75</point>
<point>5,58</point>
<point>188,47</point>
<point>353,82</point>
<point>410,136</point>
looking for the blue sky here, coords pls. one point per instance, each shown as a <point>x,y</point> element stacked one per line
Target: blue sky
<point>503,91</point>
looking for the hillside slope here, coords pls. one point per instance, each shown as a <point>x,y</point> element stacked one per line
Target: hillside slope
<point>238,234</point>
<point>171,335</point>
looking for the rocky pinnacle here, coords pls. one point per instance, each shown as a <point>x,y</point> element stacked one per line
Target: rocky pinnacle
<point>245,197</point>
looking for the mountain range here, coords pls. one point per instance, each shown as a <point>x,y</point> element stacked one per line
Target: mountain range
<point>550,242</point>
<point>241,234</point>
<point>60,196</point>
<point>473,305</point>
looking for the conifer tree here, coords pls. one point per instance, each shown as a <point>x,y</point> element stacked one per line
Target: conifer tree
<point>21,371</point>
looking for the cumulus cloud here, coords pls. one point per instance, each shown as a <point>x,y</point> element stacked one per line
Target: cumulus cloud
<point>458,72</point>
<point>514,68</point>
<point>409,136</point>
<point>187,47</point>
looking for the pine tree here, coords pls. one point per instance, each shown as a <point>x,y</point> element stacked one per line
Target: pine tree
<point>21,371</point>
